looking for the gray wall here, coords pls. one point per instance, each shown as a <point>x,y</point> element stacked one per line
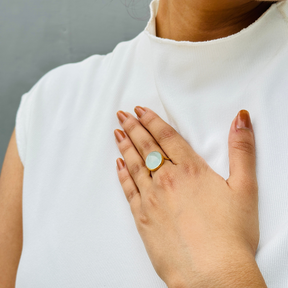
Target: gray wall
<point>39,35</point>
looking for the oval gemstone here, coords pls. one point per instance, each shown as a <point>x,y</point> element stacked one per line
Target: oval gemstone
<point>153,160</point>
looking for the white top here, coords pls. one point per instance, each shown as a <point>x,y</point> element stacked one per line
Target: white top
<point>78,227</point>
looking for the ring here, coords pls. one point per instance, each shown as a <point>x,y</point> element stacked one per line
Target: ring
<point>155,160</point>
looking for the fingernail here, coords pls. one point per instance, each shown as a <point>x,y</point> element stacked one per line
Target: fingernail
<point>120,163</point>
<point>119,135</point>
<point>140,111</point>
<point>243,120</point>
<point>121,116</point>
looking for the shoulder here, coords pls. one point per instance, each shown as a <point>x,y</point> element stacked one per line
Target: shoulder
<point>71,76</point>
<point>65,89</point>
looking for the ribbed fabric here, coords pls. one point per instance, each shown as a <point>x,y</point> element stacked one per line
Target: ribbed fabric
<point>77,225</point>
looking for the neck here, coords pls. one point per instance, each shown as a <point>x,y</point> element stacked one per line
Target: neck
<point>203,20</point>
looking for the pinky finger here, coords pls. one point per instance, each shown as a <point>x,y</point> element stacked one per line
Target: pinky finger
<point>128,185</point>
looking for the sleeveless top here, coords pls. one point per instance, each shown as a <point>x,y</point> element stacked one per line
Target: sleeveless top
<point>78,229</point>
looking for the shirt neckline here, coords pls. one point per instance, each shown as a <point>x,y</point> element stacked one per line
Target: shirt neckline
<point>150,29</point>
<point>185,69</point>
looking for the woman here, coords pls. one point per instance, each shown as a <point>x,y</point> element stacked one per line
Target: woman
<point>192,69</point>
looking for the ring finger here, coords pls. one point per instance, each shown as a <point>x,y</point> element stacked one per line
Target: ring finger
<point>140,137</point>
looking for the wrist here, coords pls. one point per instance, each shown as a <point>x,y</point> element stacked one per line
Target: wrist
<point>235,269</point>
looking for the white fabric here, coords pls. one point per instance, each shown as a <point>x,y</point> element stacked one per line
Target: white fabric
<point>78,227</point>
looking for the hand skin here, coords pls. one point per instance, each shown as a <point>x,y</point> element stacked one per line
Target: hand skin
<point>199,230</point>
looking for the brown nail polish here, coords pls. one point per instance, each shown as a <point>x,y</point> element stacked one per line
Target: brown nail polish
<point>243,120</point>
<point>119,135</point>
<point>139,111</point>
<point>120,163</point>
<point>121,116</point>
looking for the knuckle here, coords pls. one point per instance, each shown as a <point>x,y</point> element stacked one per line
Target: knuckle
<point>148,119</point>
<point>152,200</point>
<point>165,178</point>
<point>130,194</point>
<point>243,146</point>
<point>123,177</point>
<point>191,169</point>
<point>194,168</point>
<point>143,219</point>
<point>130,126</point>
<point>146,145</point>
<point>166,133</point>
<point>135,168</point>
<point>124,147</point>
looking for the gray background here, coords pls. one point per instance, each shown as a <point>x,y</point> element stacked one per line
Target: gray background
<point>39,35</point>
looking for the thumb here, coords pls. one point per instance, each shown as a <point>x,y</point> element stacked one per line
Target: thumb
<point>242,156</point>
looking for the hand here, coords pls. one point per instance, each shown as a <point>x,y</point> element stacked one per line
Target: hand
<point>188,216</point>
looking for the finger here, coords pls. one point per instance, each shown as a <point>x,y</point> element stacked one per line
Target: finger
<point>130,189</point>
<point>166,136</point>
<point>140,137</point>
<point>134,162</point>
<point>242,156</point>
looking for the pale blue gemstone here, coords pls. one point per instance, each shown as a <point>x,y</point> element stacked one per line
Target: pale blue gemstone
<point>153,160</point>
